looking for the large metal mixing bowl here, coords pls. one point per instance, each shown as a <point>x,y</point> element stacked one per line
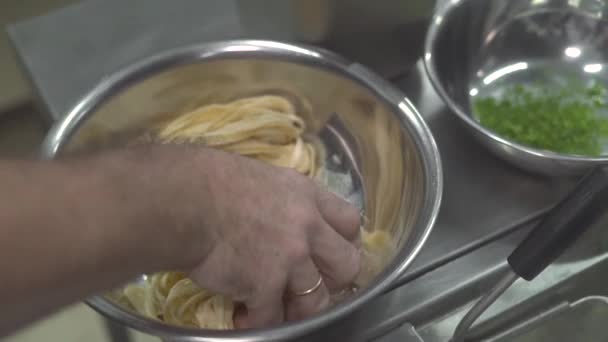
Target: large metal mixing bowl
<point>380,153</point>
<point>473,44</point>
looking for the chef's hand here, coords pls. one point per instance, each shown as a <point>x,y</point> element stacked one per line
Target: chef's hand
<point>82,225</point>
<point>270,233</point>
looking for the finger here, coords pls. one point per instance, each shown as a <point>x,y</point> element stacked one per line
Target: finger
<point>225,280</point>
<point>337,259</point>
<point>302,278</point>
<point>264,309</point>
<point>341,215</point>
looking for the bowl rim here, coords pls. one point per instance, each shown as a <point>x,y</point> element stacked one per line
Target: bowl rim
<point>435,28</point>
<point>400,106</point>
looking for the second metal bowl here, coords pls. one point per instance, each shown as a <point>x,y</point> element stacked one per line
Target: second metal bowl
<point>479,41</point>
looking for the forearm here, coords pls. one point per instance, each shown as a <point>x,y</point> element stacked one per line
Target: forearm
<point>72,228</point>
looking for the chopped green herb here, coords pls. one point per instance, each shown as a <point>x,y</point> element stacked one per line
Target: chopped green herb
<point>560,119</point>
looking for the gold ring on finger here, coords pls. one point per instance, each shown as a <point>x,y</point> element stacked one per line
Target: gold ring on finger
<point>312,289</point>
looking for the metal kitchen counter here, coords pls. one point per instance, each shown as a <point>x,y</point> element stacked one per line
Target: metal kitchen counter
<point>486,201</point>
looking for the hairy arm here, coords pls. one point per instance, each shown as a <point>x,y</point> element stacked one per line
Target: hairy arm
<point>71,228</point>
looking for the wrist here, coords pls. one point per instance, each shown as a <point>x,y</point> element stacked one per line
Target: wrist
<point>164,205</point>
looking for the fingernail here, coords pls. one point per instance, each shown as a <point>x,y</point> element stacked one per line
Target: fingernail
<point>363,220</point>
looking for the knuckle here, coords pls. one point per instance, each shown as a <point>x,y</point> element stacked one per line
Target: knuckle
<point>298,251</point>
<point>352,221</point>
<point>306,217</point>
<point>314,224</point>
<point>350,267</point>
<point>300,213</point>
<point>296,179</point>
<point>271,286</point>
<point>353,217</point>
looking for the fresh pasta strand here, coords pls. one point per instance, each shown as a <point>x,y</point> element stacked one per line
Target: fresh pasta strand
<point>261,127</point>
<point>264,128</point>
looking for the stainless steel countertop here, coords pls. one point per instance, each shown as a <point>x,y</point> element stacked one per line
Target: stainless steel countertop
<point>69,51</point>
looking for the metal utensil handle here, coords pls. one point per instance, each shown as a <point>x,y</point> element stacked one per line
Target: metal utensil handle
<point>460,333</point>
<point>563,225</point>
<point>557,231</point>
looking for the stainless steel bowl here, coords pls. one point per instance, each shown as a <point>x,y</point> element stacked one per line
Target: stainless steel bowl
<point>380,152</point>
<point>477,42</point>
